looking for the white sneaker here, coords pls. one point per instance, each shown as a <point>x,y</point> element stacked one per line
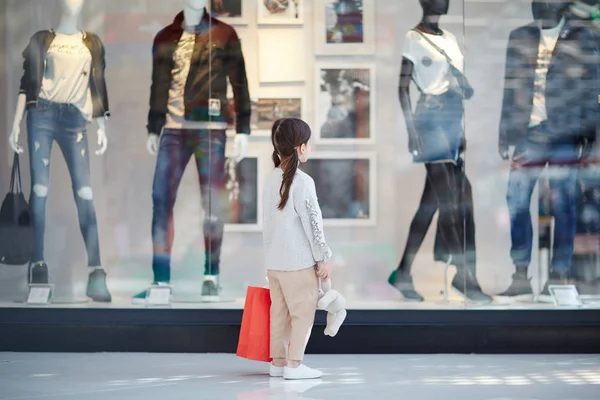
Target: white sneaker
<point>276,372</point>
<point>302,372</point>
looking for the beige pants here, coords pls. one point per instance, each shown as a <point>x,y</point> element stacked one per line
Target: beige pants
<point>294,297</point>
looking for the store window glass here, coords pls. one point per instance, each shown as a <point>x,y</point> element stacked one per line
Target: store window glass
<point>453,147</point>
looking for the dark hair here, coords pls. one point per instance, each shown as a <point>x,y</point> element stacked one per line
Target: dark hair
<point>286,135</point>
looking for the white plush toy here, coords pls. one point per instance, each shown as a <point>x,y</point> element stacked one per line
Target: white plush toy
<point>335,304</point>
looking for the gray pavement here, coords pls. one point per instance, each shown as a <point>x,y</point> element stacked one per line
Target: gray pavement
<point>222,377</point>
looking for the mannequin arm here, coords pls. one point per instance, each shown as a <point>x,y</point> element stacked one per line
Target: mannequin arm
<point>16,128</point>
<point>405,103</point>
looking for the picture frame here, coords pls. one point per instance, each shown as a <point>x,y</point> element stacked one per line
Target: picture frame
<point>244,213</point>
<point>357,177</point>
<point>278,12</point>
<point>345,103</point>
<point>344,28</point>
<point>290,107</point>
<point>231,12</point>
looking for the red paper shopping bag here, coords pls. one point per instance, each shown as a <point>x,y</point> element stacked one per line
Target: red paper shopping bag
<point>254,343</point>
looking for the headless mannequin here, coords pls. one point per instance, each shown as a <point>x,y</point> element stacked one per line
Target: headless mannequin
<point>438,195</point>
<point>529,158</point>
<point>193,11</point>
<point>71,10</point>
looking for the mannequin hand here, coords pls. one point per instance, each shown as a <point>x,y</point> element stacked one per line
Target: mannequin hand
<point>13,140</point>
<point>415,145</point>
<point>503,147</point>
<point>240,146</point>
<point>102,141</point>
<point>152,144</point>
<point>462,147</point>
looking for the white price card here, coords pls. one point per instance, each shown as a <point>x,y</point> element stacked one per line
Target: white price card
<point>39,294</point>
<point>159,296</point>
<point>565,296</point>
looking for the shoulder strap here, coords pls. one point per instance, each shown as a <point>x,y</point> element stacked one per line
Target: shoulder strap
<point>435,46</point>
<point>15,180</point>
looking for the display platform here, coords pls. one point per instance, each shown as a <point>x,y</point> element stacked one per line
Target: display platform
<point>214,328</point>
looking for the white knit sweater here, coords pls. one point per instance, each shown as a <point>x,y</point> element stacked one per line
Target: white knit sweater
<point>293,237</point>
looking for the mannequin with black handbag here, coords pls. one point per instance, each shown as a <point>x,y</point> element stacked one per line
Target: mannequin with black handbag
<point>433,60</point>
<point>16,229</point>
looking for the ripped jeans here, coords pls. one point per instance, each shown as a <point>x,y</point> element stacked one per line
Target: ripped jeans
<point>63,123</point>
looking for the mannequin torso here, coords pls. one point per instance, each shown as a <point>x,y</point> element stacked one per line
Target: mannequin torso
<point>193,12</point>
<point>67,26</point>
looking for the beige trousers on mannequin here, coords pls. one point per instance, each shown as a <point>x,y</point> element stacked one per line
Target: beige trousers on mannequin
<point>294,297</point>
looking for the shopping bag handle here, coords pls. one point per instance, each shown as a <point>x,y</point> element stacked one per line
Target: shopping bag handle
<point>16,186</point>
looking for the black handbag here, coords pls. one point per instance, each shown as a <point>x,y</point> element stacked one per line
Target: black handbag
<point>16,229</point>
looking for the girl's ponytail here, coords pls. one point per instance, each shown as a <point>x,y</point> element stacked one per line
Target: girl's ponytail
<point>289,171</point>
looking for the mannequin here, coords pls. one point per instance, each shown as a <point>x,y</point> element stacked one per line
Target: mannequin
<point>436,138</point>
<point>193,58</point>
<point>193,11</point>
<point>550,115</point>
<point>63,88</point>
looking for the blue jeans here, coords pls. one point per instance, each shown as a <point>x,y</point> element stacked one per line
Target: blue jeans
<point>562,163</point>
<point>177,146</point>
<point>63,123</point>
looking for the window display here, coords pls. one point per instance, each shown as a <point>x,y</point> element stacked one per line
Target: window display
<point>478,120</point>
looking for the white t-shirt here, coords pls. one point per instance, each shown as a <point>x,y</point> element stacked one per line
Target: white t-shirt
<point>179,74</point>
<point>548,39</point>
<point>67,74</point>
<point>432,72</point>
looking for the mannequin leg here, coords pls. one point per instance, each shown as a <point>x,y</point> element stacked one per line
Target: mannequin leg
<point>40,137</point>
<point>418,227</point>
<point>73,143</point>
<point>173,156</point>
<point>443,178</point>
<point>210,161</point>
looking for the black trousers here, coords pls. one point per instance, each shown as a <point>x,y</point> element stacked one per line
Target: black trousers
<point>447,190</point>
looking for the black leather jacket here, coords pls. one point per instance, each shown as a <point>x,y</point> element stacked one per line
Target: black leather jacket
<point>217,56</point>
<point>34,66</point>
<point>572,85</point>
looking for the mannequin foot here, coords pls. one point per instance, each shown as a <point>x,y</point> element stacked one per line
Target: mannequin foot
<point>38,273</point>
<point>555,278</point>
<point>96,287</point>
<point>467,285</point>
<point>140,298</point>
<point>403,283</point>
<point>210,289</point>
<point>521,285</point>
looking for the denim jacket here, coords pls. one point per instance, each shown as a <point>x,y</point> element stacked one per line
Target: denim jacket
<point>34,67</point>
<point>217,56</point>
<point>572,85</point>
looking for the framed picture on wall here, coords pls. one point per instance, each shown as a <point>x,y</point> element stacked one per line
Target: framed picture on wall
<point>346,186</point>
<point>229,11</point>
<point>344,27</point>
<point>345,103</point>
<point>269,110</point>
<point>242,191</point>
<point>280,12</point>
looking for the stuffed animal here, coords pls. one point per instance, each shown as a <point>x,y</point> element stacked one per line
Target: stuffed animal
<point>335,304</point>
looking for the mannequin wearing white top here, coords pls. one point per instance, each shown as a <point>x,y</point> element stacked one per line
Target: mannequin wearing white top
<point>71,10</point>
<point>61,98</point>
<point>193,11</point>
<point>435,128</point>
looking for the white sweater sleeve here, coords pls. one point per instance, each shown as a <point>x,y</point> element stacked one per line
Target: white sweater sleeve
<point>307,207</point>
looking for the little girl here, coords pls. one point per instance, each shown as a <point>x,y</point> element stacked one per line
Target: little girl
<point>296,251</point>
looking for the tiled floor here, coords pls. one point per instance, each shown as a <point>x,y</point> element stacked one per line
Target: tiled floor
<point>222,377</point>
